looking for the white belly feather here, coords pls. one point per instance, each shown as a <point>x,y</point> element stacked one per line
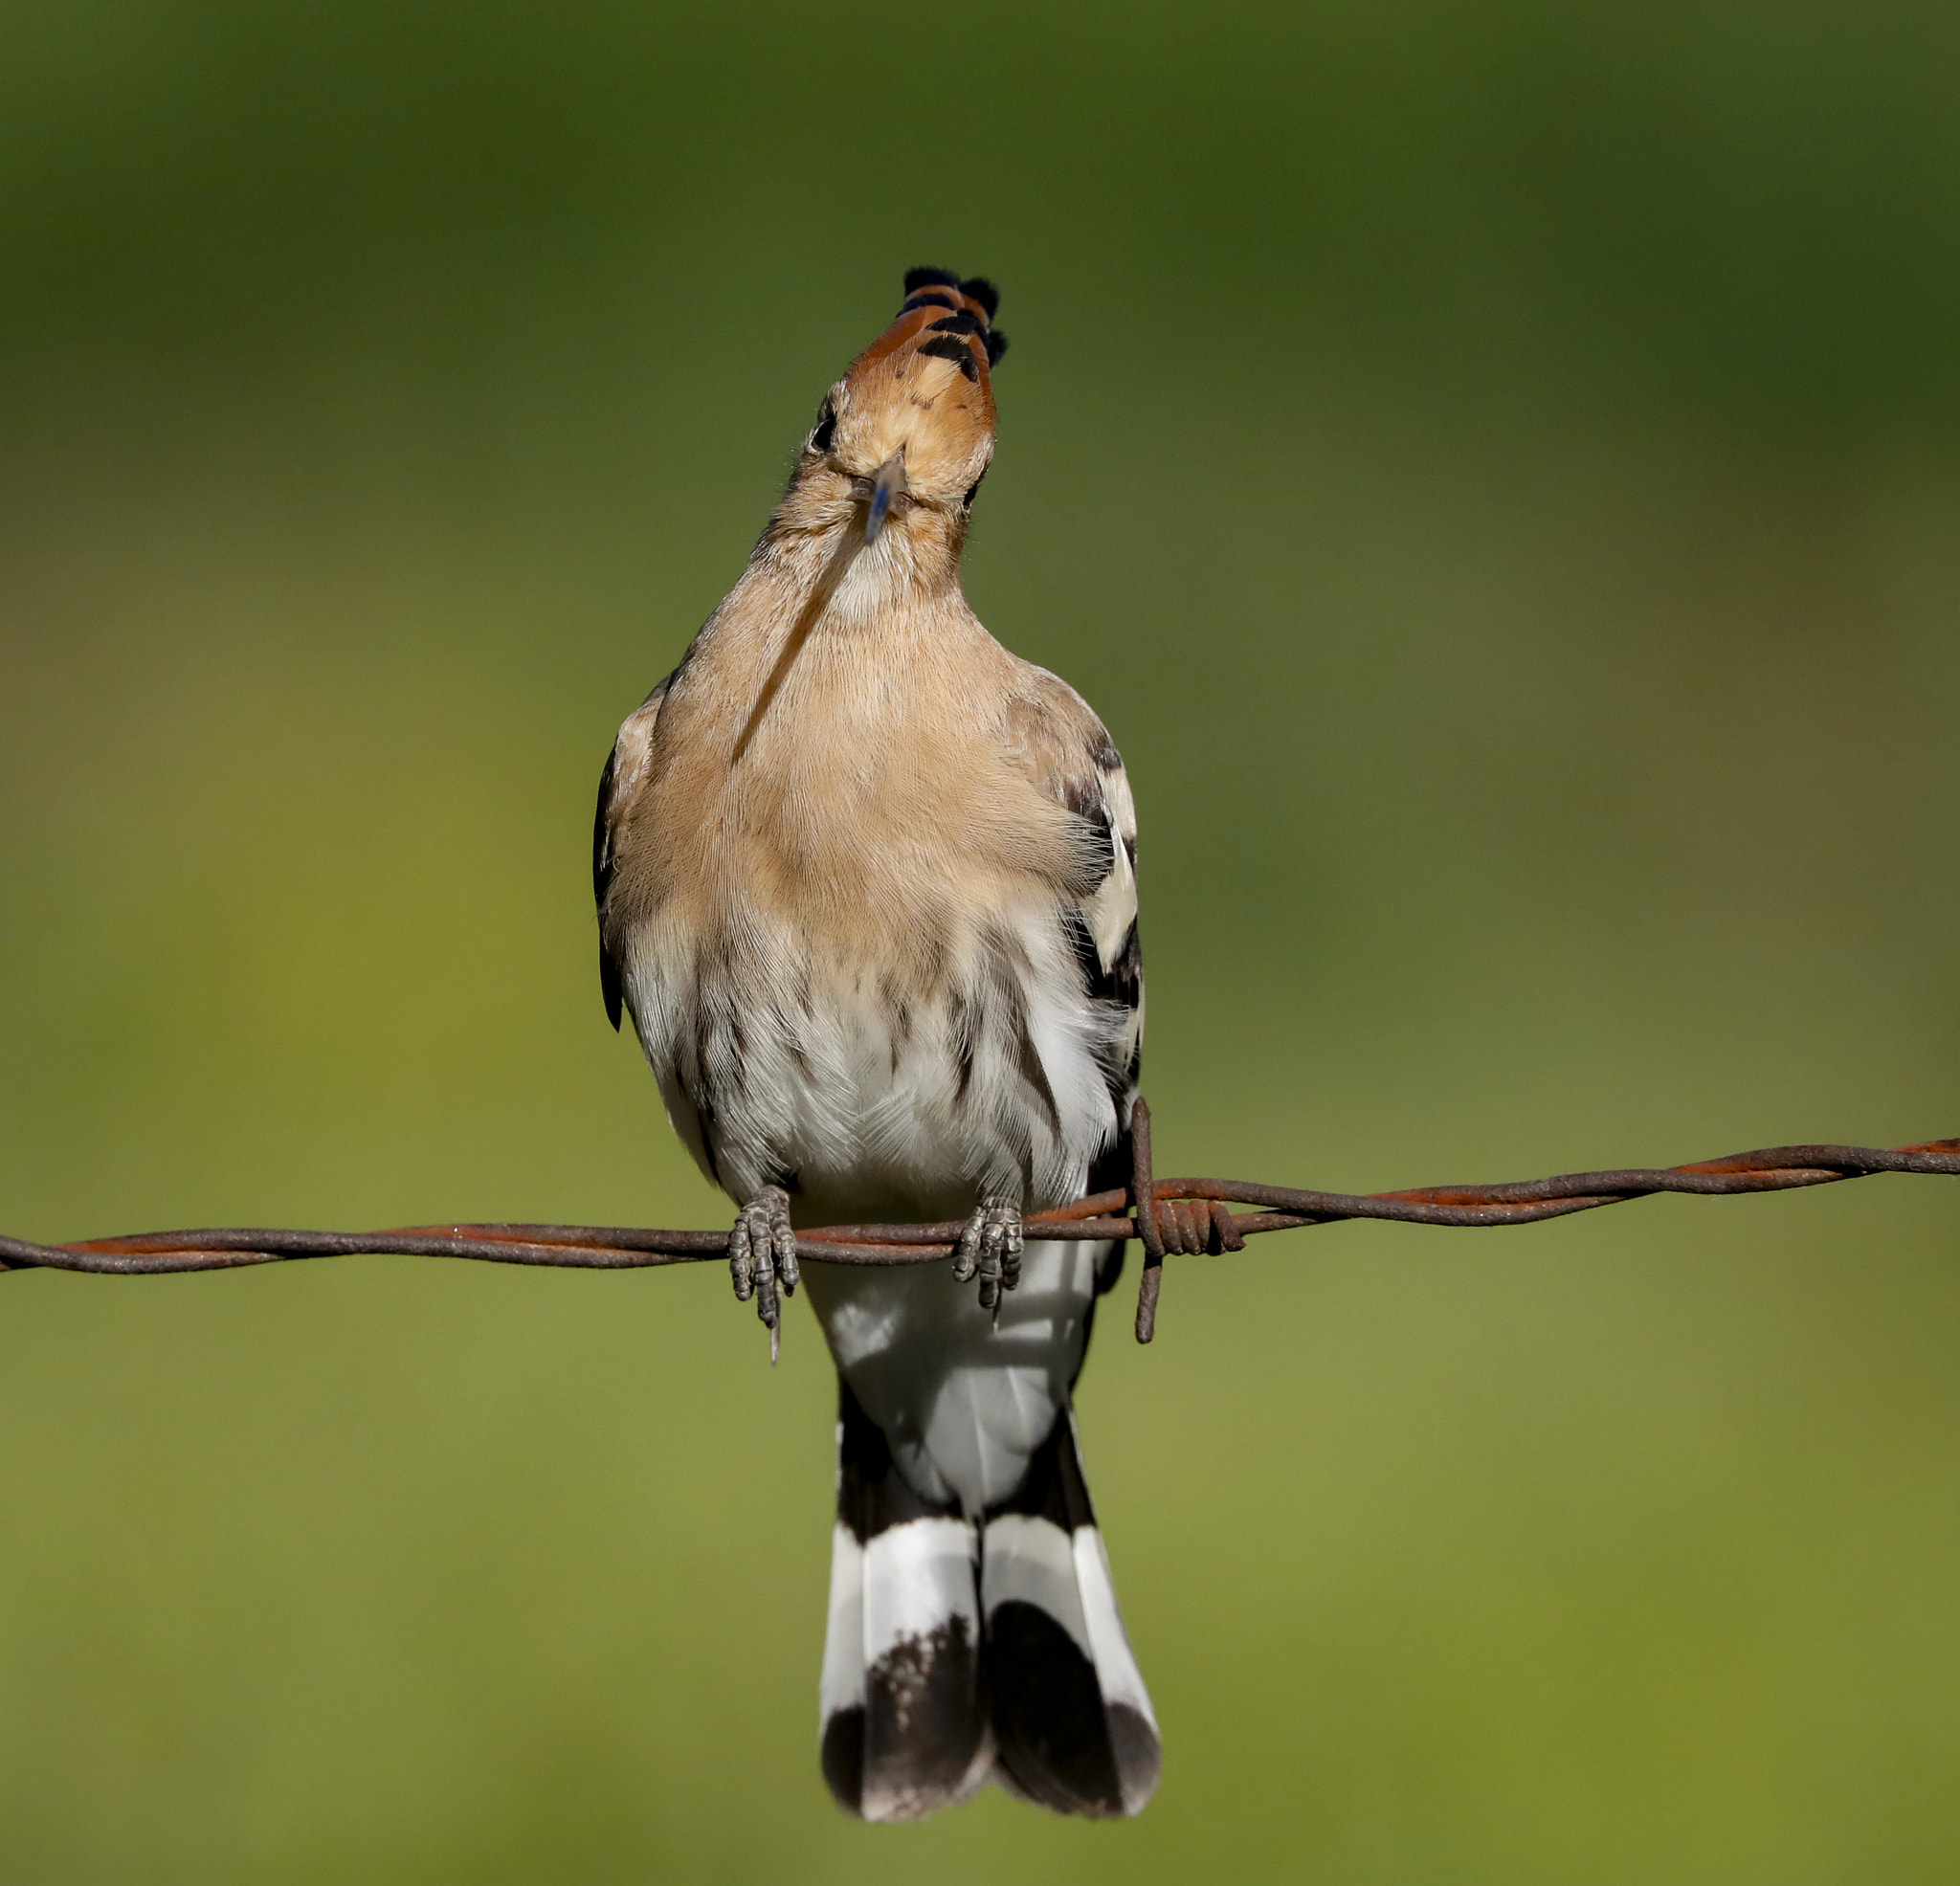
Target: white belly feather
<point>867,1100</point>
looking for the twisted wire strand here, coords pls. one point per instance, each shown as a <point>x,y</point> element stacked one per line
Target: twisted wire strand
<point>1167,1216</point>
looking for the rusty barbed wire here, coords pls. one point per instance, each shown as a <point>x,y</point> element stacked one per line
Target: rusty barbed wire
<point>1169,1217</point>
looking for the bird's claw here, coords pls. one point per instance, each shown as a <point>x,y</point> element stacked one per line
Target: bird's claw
<point>991,1245</point>
<point>761,1259</point>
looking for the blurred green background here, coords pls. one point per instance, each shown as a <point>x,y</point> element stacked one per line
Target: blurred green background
<point>1497,471</point>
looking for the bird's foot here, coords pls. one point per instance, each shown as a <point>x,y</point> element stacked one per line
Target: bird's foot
<point>761,1259</point>
<point>991,1245</point>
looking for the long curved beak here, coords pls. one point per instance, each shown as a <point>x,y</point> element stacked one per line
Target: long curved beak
<point>887,483</point>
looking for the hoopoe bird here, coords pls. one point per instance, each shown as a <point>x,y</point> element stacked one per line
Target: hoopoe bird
<point>867,885</point>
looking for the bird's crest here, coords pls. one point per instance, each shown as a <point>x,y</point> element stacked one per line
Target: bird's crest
<point>942,318</point>
<point>954,310</point>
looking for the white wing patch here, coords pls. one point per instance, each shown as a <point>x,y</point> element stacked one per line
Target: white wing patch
<point>1115,983</point>
<point>1113,908</point>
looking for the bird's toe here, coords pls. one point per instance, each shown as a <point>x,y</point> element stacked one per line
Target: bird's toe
<point>990,1248</point>
<point>762,1258</point>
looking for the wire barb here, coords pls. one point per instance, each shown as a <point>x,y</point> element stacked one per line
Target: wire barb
<point>1143,1191</point>
<point>1185,1216</point>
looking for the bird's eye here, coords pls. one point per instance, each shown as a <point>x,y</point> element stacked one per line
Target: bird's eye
<point>825,429</point>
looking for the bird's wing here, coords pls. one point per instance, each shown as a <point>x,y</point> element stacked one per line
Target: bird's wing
<point>1069,755</point>
<point>619,784</point>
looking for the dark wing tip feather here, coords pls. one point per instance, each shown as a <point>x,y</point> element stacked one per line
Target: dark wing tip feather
<point>609,986</point>
<point>602,881</point>
<point>602,835</point>
<point>626,771</point>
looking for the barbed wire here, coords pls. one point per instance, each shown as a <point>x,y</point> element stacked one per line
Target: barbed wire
<point>1169,1217</point>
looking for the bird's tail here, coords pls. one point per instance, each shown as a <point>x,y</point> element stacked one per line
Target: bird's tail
<point>904,1706</point>
<point>956,1653</point>
<point>1072,1721</point>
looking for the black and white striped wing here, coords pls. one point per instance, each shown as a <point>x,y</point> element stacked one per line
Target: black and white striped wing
<point>1102,928</point>
<point>626,772</point>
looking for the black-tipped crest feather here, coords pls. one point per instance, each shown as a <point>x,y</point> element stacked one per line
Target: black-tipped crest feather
<point>922,286</point>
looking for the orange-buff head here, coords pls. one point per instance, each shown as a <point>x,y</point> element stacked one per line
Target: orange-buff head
<point>912,422</point>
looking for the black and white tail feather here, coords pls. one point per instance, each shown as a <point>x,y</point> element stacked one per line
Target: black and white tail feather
<point>961,1651</point>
